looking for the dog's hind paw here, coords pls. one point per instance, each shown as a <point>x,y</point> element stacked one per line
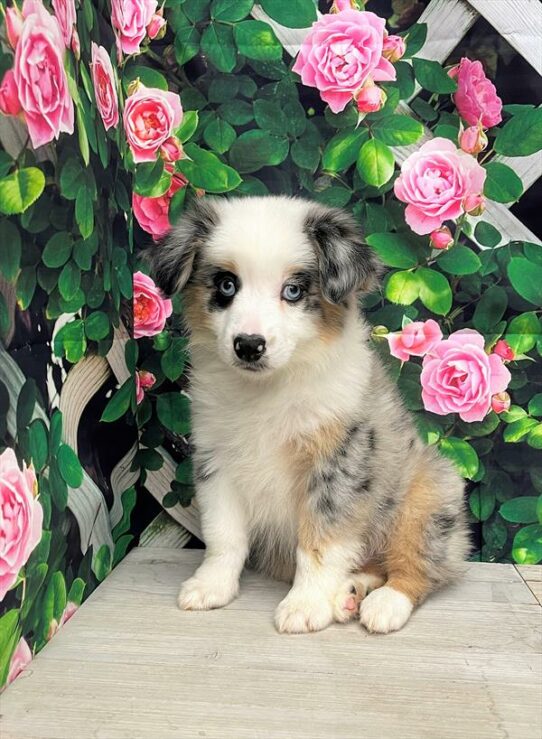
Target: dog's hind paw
<point>385,610</point>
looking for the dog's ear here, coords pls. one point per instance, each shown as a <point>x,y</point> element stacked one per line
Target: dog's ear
<point>172,260</point>
<point>346,264</point>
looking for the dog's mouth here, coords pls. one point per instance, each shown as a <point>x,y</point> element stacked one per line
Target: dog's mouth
<point>254,367</point>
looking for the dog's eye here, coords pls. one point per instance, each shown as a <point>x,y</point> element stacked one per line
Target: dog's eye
<point>292,293</point>
<point>227,287</point>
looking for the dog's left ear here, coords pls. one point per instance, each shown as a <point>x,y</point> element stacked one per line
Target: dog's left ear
<point>346,263</point>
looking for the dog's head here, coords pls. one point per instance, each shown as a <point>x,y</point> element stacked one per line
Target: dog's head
<point>265,277</point>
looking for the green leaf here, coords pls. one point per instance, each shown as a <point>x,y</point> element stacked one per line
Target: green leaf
<point>482,502</point>
<point>39,443</point>
<point>19,190</point>
<point>402,288</point>
<point>404,79</point>
<point>173,410</point>
<point>523,332</point>
<point>26,286</point>
<point>486,234</point>
<point>343,149</point>
<point>298,14</point>
<point>490,308</point>
<point>462,455</point>
<point>10,250</point>
<point>5,320</point>
<point>151,179</point>
<point>147,75</point>
<point>188,125</point>
<point>174,359</point>
<point>205,170</point>
<point>415,39</point>
<point>527,547</point>
<point>514,413</point>
<point>520,510</point>
<point>75,594</point>
<point>97,325</point>
<point>231,11</point>
<point>218,45</point>
<point>433,77</point>
<point>59,489</point>
<point>57,250</point>
<point>375,163</point>
<point>128,500</point>
<point>25,404</point>
<point>397,130</point>
<point>187,40</point>
<point>102,562</point>
<point>460,260</point>
<point>393,249</point>
<point>176,205</point>
<point>502,183</point>
<point>522,135</point>
<point>237,112</point>
<point>257,40</point>
<point>269,118</point>
<point>74,341</point>
<point>535,405</point>
<point>120,402</point>
<point>84,212</point>
<point>219,135</point>
<point>55,431</point>
<point>69,466</point>
<point>410,387</point>
<point>255,149</point>
<point>82,135</point>
<point>526,278</point>
<point>69,280</point>
<point>10,634</point>
<point>185,472</point>
<point>517,430</point>
<point>435,291</point>
<point>535,437</point>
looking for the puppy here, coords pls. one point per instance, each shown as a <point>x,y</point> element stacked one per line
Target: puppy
<point>306,462</point>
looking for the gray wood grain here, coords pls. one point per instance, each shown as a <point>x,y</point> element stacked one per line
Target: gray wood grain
<point>130,664</point>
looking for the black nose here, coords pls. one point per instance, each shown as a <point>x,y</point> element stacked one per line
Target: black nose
<point>249,347</point>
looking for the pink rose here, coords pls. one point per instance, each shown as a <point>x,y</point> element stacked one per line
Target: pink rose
<point>150,307</point>
<point>370,99</point>
<point>14,25</point>
<point>65,15</point>
<point>476,98</point>
<point>21,658</point>
<point>40,78</point>
<point>474,205</point>
<point>503,349</point>
<point>21,517</point>
<point>340,53</point>
<point>9,99</point>
<point>500,402</point>
<point>434,181</point>
<point>394,48</point>
<point>416,339</point>
<point>171,150</point>
<point>473,140</point>
<point>150,117</point>
<point>103,78</point>
<point>144,381</point>
<point>157,27</point>
<point>153,213</point>
<point>130,19</point>
<point>441,238</point>
<point>67,613</point>
<point>76,45</point>
<point>459,377</point>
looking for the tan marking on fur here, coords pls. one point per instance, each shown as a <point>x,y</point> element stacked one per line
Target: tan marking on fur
<point>195,300</point>
<point>331,321</point>
<point>376,569</point>
<point>405,553</point>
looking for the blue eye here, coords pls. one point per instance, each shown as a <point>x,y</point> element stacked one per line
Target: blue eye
<point>292,293</point>
<point>227,287</point>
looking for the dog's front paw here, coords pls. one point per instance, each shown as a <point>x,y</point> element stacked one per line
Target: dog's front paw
<point>385,610</point>
<point>202,595</point>
<point>301,612</point>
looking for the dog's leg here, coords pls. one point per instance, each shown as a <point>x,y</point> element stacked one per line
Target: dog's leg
<point>216,581</point>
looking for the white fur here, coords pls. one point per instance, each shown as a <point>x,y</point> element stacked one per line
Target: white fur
<point>385,609</point>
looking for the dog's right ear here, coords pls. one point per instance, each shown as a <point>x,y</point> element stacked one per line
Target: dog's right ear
<point>172,260</point>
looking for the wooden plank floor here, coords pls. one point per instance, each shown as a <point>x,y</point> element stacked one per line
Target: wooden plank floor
<point>130,664</point>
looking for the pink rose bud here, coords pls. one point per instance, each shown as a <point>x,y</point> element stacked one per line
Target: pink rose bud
<point>9,100</point>
<point>500,402</point>
<point>474,205</point>
<point>504,350</point>
<point>14,25</point>
<point>441,238</point>
<point>339,5</point>
<point>393,48</point>
<point>76,45</point>
<point>200,192</point>
<point>144,381</point>
<point>370,99</point>
<point>171,150</point>
<point>473,140</point>
<point>157,27</point>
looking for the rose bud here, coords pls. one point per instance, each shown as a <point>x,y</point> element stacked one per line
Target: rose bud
<point>370,99</point>
<point>500,402</point>
<point>200,192</point>
<point>393,48</point>
<point>441,238</point>
<point>503,349</point>
<point>473,140</point>
<point>171,150</point>
<point>9,99</point>
<point>157,27</point>
<point>339,5</point>
<point>14,25</point>
<point>76,45</point>
<point>474,205</point>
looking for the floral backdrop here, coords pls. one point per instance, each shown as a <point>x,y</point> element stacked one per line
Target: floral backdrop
<point>116,114</point>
